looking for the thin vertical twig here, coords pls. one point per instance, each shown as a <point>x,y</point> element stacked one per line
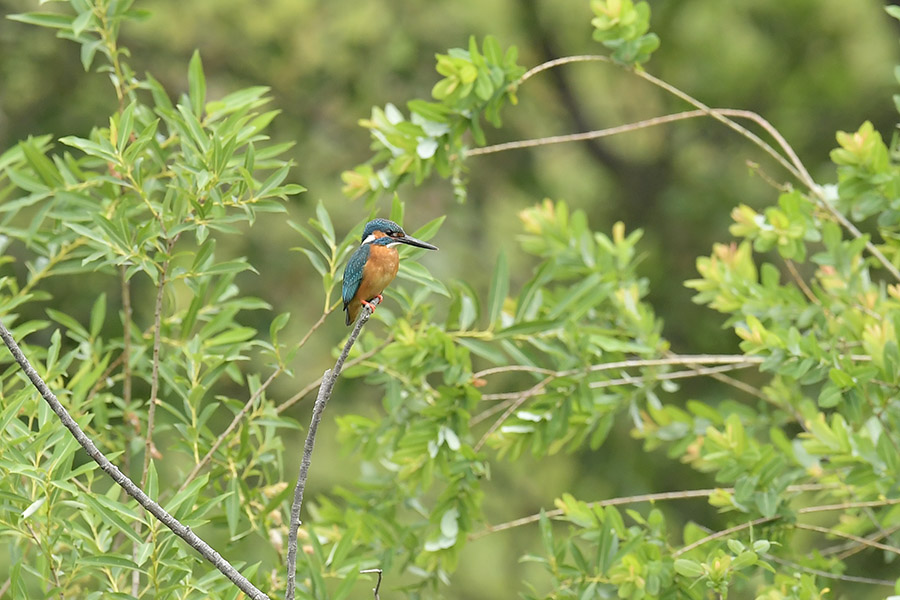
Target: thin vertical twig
<point>126,399</point>
<point>154,371</point>
<point>325,391</point>
<point>182,531</point>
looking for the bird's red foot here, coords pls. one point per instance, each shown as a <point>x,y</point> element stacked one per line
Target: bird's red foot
<point>372,305</point>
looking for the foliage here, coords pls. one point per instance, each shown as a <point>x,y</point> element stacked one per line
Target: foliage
<point>477,83</point>
<point>137,209</point>
<point>546,363</point>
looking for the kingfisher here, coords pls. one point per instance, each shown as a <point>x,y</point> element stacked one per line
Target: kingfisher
<point>374,265</point>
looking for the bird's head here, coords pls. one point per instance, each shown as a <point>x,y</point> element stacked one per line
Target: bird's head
<point>383,232</point>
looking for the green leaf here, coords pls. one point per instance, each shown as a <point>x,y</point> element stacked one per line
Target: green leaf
<point>82,21</point>
<point>54,20</point>
<point>126,126</point>
<point>688,568</point>
<point>499,289</point>
<point>98,314</point>
<point>68,322</point>
<point>232,336</point>
<point>233,506</point>
<point>416,273</point>
<point>325,222</point>
<point>113,517</point>
<point>33,507</point>
<point>109,560</point>
<point>196,84</point>
<point>397,209</point>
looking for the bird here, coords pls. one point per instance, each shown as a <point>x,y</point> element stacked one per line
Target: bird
<point>374,265</point>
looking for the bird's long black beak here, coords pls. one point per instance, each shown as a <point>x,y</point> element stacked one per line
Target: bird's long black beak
<point>408,239</point>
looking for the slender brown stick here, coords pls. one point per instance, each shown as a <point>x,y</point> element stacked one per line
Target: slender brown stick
<point>125,357</point>
<point>182,531</point>
<point>852,549</point>
<point>154,371</point>
<point>849,505</point>
<point>589,135</point>
<point>680,495</point>
<point>826,574</point>
<point>676,359</point>
<point>325,391</point>
<point>724,533</point>
<point>849,536</point>
<point>515,399</point>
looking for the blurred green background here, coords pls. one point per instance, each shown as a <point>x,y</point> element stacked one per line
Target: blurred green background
<point>810,67</point>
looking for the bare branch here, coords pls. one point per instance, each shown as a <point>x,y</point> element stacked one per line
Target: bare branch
<point>561,61</point>
<point>154,372</point>
<point>849,536</point>
<point>589,135</point>
<point>723,533</point>
<point>516,399</point>
<point>826,574</point>
<point>377,584</point>
<point>675,359</point>
<point>792,163</point>
<point>679,495</point>
<point>325,390</point>
<point>182,531</point>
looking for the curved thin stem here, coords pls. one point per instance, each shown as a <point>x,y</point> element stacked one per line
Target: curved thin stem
<point>679,495</point>
<point>792,163</point>
<point>149,448</point>
<point>849,536</point>
<point>678,359</point>
<point>565,60</point>
<point>826,574</point>
<point>723,533</point>
<point>589,135</point>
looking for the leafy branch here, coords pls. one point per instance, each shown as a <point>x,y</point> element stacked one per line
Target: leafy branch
<point>151,506</point>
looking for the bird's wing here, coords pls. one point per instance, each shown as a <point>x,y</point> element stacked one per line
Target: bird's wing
<point>353,273</point>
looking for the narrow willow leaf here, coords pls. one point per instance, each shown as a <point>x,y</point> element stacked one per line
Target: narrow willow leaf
<point>196,84</point>
<point>499,289</point>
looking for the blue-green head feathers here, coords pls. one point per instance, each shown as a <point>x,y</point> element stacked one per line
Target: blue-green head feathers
<point>383,225</point>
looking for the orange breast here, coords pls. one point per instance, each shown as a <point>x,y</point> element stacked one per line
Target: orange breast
<point>380,270</point>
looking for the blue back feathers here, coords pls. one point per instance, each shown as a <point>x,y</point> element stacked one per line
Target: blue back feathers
<point>353,272</point>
